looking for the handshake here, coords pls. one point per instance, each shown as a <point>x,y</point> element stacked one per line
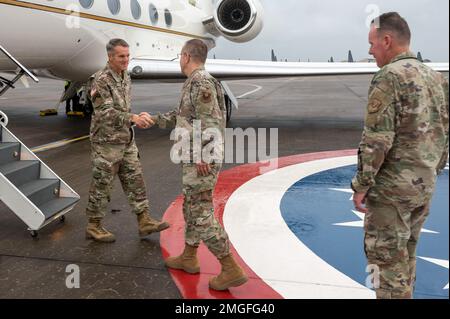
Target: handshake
<point>143,120</point>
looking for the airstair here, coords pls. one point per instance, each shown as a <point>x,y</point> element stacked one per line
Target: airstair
<point>28,186</point>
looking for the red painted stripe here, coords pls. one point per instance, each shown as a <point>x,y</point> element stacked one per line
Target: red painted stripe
<point>172,240</point>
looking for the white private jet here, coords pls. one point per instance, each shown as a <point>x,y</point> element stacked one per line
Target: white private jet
<point>66,38</point>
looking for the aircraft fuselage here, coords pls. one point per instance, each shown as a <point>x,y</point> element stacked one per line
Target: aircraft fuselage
<point>69,40</point>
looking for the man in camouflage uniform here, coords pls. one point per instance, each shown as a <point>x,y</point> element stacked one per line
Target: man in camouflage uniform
<point>202,100</point>
<point>404,147</point>
<point>114,150</point>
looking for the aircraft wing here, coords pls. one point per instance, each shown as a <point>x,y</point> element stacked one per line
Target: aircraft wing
<point>142,68</point>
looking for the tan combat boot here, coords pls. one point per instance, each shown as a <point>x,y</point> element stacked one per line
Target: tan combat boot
<point>187,261</point>
<point>232,275</point>
<point>96,232</point>
<point>148,225</point>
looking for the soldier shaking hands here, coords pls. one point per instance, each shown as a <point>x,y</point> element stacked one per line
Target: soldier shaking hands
<point>202,104</point>
<point>114,151</point>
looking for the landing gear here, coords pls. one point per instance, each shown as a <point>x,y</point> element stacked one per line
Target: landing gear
<point>82,110</point>
<point>230,100</point>
<point>34,233</point>
<point>78,103</point>
<point>88,108</point>
<point>62,219</point>
<point>82,106</point>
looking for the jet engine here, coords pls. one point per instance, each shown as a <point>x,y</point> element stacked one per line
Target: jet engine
<point>236,20</point>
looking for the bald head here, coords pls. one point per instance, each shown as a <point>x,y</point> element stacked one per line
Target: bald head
<point>197,50</point>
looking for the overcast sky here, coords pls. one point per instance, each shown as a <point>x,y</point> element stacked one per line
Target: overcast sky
<point>319,29</point>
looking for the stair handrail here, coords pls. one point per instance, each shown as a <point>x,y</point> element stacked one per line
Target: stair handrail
<point>6,84</point>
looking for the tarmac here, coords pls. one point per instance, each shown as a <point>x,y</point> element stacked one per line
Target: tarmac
<point>312,114</point>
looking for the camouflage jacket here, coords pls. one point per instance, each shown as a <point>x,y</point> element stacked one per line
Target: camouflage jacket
<point>405,139</point>
<point>111,99</point>
<point>202,99</point>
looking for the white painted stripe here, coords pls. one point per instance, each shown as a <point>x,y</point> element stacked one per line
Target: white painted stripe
<point>258,88</point>
<point>253,220</point>
<point>344,190</point>
<point>424,230</point>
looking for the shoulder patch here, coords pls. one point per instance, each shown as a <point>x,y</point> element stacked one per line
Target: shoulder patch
<point>374,105</point>
<point>206,95</point>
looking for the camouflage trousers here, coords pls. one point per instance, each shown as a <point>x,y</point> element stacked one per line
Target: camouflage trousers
<point>391,236</point>
<point>198,211</point>
<point>109,160</point>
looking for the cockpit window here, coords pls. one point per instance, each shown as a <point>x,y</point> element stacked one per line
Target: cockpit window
<point>154,16</point>
<point>114,6</point>
<point>168,17</point>
<point>87,4</point>
<point>135,9</point>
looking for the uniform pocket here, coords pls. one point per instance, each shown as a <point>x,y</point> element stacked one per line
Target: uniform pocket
<point>193,183</point>
<point>102,173</point>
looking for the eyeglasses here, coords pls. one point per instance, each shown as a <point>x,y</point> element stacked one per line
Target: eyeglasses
<point>179,55</point>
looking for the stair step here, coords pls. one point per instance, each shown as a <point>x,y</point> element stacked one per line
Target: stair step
<point>40,191</point>
<point>7,152</point>
<point>21,172</point>
<point>55,206</point>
